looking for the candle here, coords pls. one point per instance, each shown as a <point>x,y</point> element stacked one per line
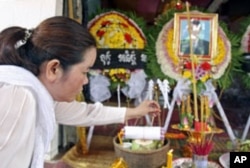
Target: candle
<point>118,95</point>
<point>170,158</point>
<point>202,107</point>
<point>207,107</point>
<point>183,105</point>
<point>120,134</point>
<point>188,104</point>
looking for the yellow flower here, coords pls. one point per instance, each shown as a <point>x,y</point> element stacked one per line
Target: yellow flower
<point>170,49</point>
<point>187,74</point>
<point>113,33</point>
<point>113,78</point>
<point>120,75</point>
<point>112,72</point>
<point>121,70</point>
<point>205,78</point>
<point>221,52</point>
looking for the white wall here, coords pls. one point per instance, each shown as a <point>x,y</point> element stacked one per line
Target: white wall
<point>27,13</point>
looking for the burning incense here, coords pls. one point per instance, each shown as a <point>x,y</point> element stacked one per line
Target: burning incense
<point>202,147</point>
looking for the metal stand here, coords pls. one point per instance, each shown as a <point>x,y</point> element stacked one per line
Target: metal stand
<point>224,119</point>
<point>246,130</point>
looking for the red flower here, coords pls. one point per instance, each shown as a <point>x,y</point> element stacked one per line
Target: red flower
<point>105,23</point>
<point>206,66</point>
<point>188,65</point>
<point>100,33</point>
<point>128,37</point>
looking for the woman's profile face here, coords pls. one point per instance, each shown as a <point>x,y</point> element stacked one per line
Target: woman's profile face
<point>66,85</point>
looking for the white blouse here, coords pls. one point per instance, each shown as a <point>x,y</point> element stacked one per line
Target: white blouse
<point>18,118</point>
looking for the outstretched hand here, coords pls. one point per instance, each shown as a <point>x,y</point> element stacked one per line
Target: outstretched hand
<point>149,107</point>
<point>146,107</point>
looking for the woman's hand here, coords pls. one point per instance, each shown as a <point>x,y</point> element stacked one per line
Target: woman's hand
<point>145,107</point>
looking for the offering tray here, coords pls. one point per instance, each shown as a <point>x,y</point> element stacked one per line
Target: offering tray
<point>193,131</point>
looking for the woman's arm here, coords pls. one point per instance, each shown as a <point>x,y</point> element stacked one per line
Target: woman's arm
<point>83,114</point>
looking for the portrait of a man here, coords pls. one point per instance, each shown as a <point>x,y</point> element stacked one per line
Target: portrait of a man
<point>197,36</point>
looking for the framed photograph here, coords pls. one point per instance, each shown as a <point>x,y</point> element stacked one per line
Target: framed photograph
<point>195,33</point>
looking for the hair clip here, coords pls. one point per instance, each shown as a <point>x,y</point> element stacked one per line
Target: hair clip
<point>23,41</point>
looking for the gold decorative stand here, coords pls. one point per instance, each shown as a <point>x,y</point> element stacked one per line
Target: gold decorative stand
<point>217,103</point>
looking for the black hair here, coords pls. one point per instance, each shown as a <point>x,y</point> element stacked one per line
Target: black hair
<point>55,38</point>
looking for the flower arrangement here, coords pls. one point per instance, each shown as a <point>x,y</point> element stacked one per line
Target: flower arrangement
<point>166,64</point>
<point>117,76</point>
<point>202,73</point>
<point>115,30</point>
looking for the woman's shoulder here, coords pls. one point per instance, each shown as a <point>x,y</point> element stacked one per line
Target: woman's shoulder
<point>16,101</point>
<point>18,115</point>
<point>13,92</point>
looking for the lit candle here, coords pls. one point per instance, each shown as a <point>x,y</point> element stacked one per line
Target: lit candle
<point>120,134</point>
<point>170,158</point>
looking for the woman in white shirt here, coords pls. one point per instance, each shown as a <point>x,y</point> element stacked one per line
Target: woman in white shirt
<point>41,72</point>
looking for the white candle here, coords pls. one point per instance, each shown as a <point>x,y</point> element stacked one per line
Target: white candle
<point>118,95</point>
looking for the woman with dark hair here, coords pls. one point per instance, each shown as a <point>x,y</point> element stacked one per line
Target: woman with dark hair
<point>41,72</point>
